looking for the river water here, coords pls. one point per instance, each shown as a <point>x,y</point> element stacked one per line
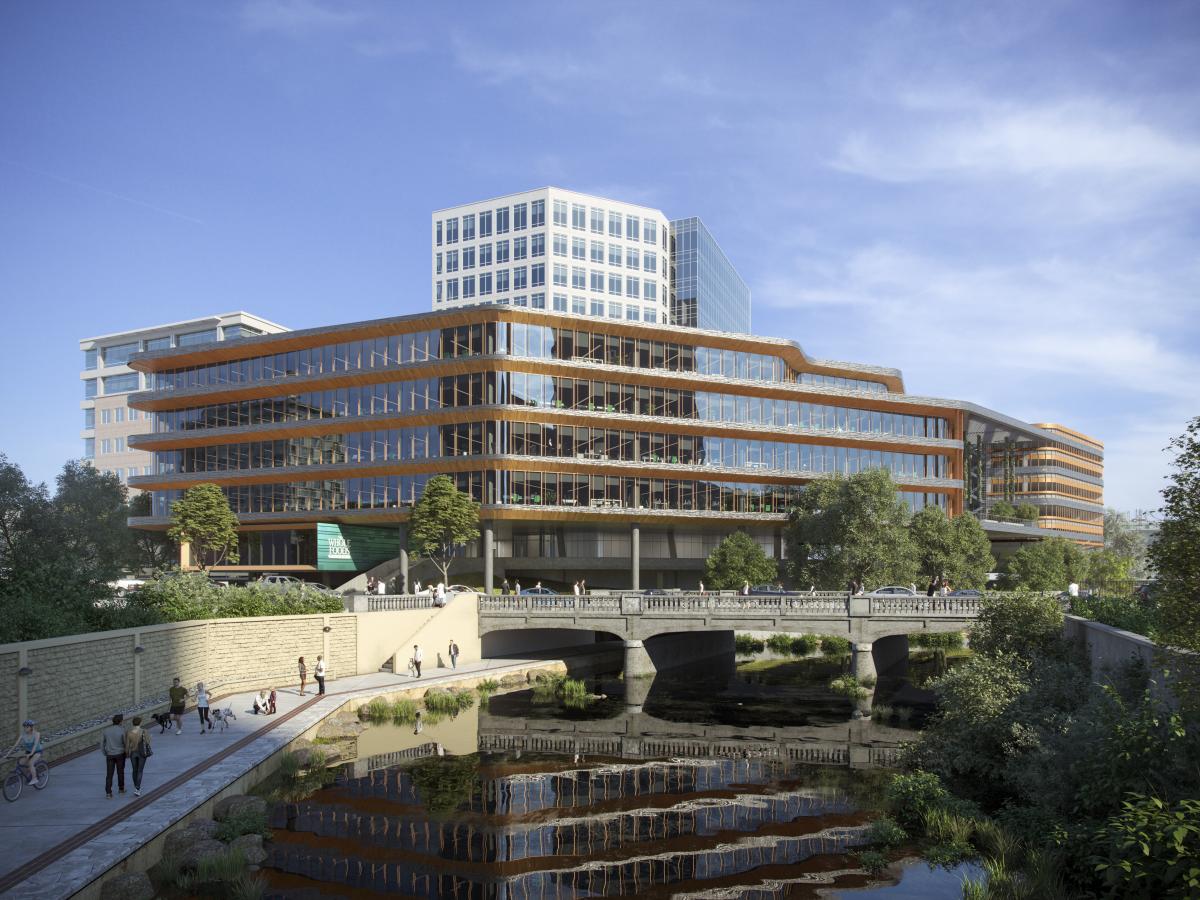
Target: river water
<point>715,782</point>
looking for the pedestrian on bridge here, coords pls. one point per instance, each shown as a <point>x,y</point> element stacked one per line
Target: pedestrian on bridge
<point>303,675</point>
<point>112,742</point>
<point>418,658</point>
<point>453,654</point>
<point>319,674</point>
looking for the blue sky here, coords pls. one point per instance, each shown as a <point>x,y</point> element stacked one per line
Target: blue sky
<point>999,199</point>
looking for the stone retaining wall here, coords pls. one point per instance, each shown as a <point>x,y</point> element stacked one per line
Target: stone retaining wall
<point>73,685</point>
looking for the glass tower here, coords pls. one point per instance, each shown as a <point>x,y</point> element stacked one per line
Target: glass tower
<point>708,292</point>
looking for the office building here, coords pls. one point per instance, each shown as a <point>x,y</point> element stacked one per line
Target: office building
<point>615,450</point>
<point>707,292</point>
<point>108,421</point>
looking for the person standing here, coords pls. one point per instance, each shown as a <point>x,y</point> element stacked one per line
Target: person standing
<point>418,657</point>
<point>178,695</point>
<point>745,589</point>
<point>440,596</point>
<point>202,707</point>
<point>303,675</point>
<point>112,743</point>
<point>582,587</point>
<point>505,588</point>
<point>319,674</point>
<point>417,586</point>
<point>453,654</point>
<point>575,587</point>
<point>702,587</point>
<point>137,748</point>
<point>380,587</point>
<point>517,587</point>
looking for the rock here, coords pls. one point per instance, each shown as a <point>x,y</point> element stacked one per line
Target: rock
<point>230,805</point>
<point>130,886</point>
<point>543,675</point>
<point>512,680</point>
<point>206,848</point>
<point>179,841</point>
<point>436,692</point>
<point>335,729</point>
<point>251,847</point>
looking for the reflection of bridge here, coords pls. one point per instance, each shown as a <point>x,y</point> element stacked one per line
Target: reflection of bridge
<point>858,743</point>
<point>637,618</point>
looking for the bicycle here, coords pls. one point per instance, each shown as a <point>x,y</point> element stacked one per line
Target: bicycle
<point>17,778</point>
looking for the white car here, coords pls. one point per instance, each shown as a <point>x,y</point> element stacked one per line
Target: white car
<point>892,590</point>
<point>123,586</point>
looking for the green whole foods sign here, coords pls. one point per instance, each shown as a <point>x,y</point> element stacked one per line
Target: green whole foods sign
<point>354,548</point>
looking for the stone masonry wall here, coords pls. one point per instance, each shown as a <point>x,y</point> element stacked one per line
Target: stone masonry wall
<point>80,682</point>
<point>10,715</point>
<point>343,646</point>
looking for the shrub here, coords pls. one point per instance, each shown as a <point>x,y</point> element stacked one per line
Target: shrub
<point>909,797</point>
<point>834,645</point>
<point>289,766</point>
<point>1151,848</point>
<point>225,867</point>
<point>1126,613</point>
<point>378,710</point>
<point>881,712</point>
<point>487,686</point>
<point>243,820</point>
<point>247,887</point>
<point>747,645</point>
<point>942,826</point>
<point>804,644</point>
<point>849,686</point>
<point>951,640</point>
<point>872,861</point>
<point>886,833</point>
<point>780,643</point>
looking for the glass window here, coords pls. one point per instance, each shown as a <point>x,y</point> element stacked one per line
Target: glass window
<point>579,305</point>
<point>520,278</point>
<point>117,384</point>
<point>560,302</point>
<point>633,313</point>
<point>468,286</point>
<point>120,414</point>
<point>485,254</point>
<point>452,231</point>
<point>537,245</point>
<point>560,212</point>
<point>502,251</point>
<point>597,307</point>
<point>649,262</point>
<point>537,275</point>
<point>632,288</point>
<point>468,257</point>
<point>597,280</point>
<point>614,254</point>
<point>451,260</point>
<point>520,300</point>
<point>537,300</point>
<point>468,227</point>
<point>501,281</point>
<point>520,216</point>
<point>578,216</point>
<point>537,213</point>
<point>650,231</point>
<point>597,220</point>
<point>651,315</point>
<point>451,288</point>
<point>89,448</point>
<point>485,284</point>
<point>437,230</point>
<point>520,248</point>
<point>579,278</point>
<point>560,245</point>
<point>163,343</point>
<point>119,445</point>
<point>89,359</point>
<point>597,251</point>
<point>89,417</point>
<point>437,290</point>
<point>631,227</point>
<point>633,258</point>
<point>614,224</point>
<point>502,220</point>
<point>437,264</point>
<point>485,224</point>
<point>649,290</point>
<point>578,248</point>
<point>134,415</point>
<point>615,311</point>
<point>106,417</point>
<point>560,275</point>
<point>614,284</point>
<point>197,337</point>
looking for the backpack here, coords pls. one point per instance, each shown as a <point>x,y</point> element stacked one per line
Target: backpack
<point>144,748</point>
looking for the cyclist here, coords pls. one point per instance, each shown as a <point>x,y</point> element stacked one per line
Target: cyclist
<point>30,742</point>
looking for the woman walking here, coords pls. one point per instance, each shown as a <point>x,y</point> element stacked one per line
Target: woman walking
<point>137,748</point>
<point>319,674</point>
<point>303,675</point>
<point>202,707</point>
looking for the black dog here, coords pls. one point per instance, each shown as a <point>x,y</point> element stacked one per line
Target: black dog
<point>163,719</point>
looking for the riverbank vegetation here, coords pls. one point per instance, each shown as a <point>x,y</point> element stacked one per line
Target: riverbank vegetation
<point>1056,782</point>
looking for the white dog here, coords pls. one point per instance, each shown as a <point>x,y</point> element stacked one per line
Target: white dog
<point>223,717</point>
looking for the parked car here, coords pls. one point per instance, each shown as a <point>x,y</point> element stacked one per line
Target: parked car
<point>282,582</point>
<point>892,590</point>
<point>767,590</point>
<point>537,591</point>
<point>453,589</point>
<point>655,592</point>
<point>966,592</point>
<point>123,586</point>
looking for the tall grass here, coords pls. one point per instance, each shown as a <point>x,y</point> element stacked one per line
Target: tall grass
<point>449,703</point>
<point>487,687</point>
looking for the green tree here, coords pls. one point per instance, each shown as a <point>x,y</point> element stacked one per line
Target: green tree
<point>846,528</point>
<point>1122,539</point>
<point>92,506</point>
<point>442,521</point>
<point>959,549</point>
<point>202,518</point>
<point>1025,625</point>
<point>1175,557</point>
<point>1002,509</point>
<point>148,550</point>
<point>1048,565</point>
<point>738,559</point>
<point>1026,512</point>
<point>1107,567</point>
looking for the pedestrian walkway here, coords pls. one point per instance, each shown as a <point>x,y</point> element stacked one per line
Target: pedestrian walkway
<point>58,840</point>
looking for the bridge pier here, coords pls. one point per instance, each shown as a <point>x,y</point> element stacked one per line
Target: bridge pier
<point>864,662</point>
<point>636,691</point>
<point>638,663</point>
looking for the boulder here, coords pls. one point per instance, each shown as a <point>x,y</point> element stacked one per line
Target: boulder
<point>436,692</point>
<point>228,806</point>
<point>513,679</point>
<point>206,848</point>
<point>180,840</point>
<point>336,729</point>
<point>130,886</point>
<point>251,847</point>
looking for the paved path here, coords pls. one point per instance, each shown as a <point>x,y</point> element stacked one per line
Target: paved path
<point>58,840</point>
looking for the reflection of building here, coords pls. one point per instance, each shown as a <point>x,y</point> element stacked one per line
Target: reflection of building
<point>595,447</point>
<point>108,422</point>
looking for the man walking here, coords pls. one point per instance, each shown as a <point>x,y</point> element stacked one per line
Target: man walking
<point>453,653</point>
<point>178,695</point>
<point>112,742</point>
<point>418,656</point>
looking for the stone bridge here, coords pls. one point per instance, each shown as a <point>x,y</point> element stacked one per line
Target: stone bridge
<point>876,626</point>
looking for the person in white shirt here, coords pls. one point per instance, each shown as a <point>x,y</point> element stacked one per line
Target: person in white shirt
<point>381,587</point>
<point>1073,589</point>
<point>440,597</point>
<point>319,674</point>
<point>418,657</point>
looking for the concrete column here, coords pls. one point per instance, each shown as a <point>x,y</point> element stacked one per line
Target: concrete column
<point>635,556</point>
<point>402,534</point>
<point>864,662</point>
<point>637,661</point>
<point>489,554</point>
